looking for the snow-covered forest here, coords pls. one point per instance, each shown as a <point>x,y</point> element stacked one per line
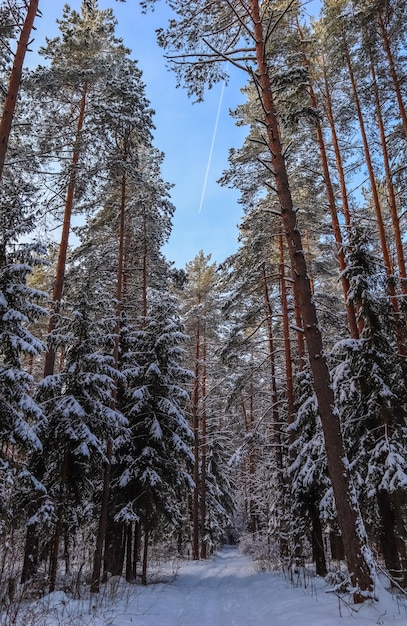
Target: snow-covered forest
<point>147,409</point>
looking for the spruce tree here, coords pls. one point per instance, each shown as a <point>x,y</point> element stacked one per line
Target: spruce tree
<point>372,399</point>
<point>156,459</point>
<point>79,417</point>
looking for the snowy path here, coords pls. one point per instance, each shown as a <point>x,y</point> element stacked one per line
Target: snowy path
<point>227,591</point>
<point>221,592</point>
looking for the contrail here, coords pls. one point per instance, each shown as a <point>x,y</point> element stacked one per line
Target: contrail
<point>211,150</point>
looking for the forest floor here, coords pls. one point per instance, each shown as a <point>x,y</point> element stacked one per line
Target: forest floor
<point>224,591</point>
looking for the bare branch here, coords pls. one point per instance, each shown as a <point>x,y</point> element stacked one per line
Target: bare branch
<point>226,58</point>
<point>243,24</point>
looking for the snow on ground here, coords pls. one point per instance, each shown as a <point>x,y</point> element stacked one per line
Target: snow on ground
<point>225,591</point>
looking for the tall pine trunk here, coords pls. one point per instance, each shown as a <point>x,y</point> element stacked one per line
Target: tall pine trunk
<point>393,73</point>
<point>66,227</point>
<point>49,365</point>
<point>357,552</point>
<point>389,183</point>
<point>10,101</point>
<point>335,142</point>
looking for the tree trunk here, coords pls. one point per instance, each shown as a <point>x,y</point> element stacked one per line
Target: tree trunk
<point>339,163</point>
<point>276,427</point>
<point>389,183</point>
<point>146,539</point>
<point>30,563</point>
<point>58,528</point>
<point>195,428</point>
<point>317,542</point>
<point>101,534</point>
<point>129,554</point>
<point>357,552</point>
<point>115,545</point>
<point>388,537</point>
<point>10,101</point>
<point>203,450</point>
<point>286,339</point>
<point>136,548</point>
<point>145,257</point>
<point>337,547</point>
<point>299,331</point>
<point>393,72</point>
<point>295,534</point>
<point>66,227</point>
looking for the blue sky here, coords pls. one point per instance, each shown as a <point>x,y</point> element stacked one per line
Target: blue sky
<point>183,132</point>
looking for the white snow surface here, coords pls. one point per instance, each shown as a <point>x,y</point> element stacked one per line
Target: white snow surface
<point>224,591</point>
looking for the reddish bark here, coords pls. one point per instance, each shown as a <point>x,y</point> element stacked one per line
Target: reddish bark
<point>375,196</point>
<point>274,396</point>
<point>393,72</point>
<point>10,101</point>
<point>339,162</point>
<point>389,183</point>
<point>335,143</point>
<point>66,227</point>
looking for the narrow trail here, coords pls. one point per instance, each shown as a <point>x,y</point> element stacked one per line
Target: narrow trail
<point>228,591</point>
<point>221,592</point>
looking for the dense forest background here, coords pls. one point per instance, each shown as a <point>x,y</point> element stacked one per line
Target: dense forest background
<point>262,400</point>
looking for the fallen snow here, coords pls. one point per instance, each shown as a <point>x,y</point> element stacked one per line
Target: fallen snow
<point>224,591</point>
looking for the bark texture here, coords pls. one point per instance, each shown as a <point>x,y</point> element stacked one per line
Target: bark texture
<point>10,101</point>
